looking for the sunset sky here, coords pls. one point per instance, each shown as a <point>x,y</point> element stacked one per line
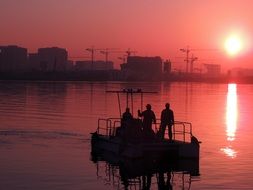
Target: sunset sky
<point>150,27</point>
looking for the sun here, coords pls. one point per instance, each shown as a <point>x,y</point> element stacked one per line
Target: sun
<point>233,45</point>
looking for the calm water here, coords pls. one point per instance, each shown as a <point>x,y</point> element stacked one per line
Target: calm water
<point>45,133</point>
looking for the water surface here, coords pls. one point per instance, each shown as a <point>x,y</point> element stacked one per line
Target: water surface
<point>45,132</point>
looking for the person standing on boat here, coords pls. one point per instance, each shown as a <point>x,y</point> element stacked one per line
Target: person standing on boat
<point>125,122</point>
<point>148,118</point>
<point>126,117</point>
<point>167,119</point>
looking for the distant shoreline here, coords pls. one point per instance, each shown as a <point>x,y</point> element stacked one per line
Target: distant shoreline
<point>116,76</point>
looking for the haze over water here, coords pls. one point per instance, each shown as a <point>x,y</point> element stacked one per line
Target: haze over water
<point>45,131</point>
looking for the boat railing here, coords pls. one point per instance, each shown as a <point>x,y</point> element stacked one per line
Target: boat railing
<point>108,126</point>
<point>181,130</point>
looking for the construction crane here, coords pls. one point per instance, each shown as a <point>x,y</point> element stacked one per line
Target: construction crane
<point>123,58</point>
<point>129,52</point>
<point>107,51</point>
<point>114,50</point>
<point>191,60</point>
<point>92,50</point>
<point>187,51</point>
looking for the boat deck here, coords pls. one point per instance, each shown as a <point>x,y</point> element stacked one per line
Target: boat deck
<point>184,144</point>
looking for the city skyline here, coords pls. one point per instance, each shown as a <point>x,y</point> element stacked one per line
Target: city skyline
<point>148,27</point>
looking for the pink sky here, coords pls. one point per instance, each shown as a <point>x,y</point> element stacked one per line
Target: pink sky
<point>150,27</point>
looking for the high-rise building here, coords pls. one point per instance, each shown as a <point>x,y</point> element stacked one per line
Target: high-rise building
<point>213,69</point>
<point>143,68</point>
<point>241,72</point>
<point>13,59</point>
<point>69,66</point>
<point>52,59</point>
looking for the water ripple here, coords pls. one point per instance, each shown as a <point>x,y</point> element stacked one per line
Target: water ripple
<point>41,134</point>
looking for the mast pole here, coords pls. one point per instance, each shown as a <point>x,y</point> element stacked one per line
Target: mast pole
<point>141,101</point>
<point>132,103</point>
<point>119,105</point>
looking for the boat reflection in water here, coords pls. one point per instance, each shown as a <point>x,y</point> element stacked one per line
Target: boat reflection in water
<point>145,173</point>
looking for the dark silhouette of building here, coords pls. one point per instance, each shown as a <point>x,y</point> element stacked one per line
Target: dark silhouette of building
<point>70,66</point>
<point>241,72</point>
<point>52,59</point>
<point>13,59</point>
<point>142,68</point>
<point>97,65</point>
<point>213,70</point>
<point>167,66</point>
<point>34,63</point>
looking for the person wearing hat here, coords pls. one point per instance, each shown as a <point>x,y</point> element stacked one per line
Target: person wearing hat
<point>148,118</point>
<point>167,119</point>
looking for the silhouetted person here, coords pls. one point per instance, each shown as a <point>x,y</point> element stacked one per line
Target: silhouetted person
<point>126,121</point>
<point>126,117</point>
<point>167,119</point>
<point>148,118</point>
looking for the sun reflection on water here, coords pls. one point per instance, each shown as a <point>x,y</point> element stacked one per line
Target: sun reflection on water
<point>231,119</point>
<point>231,112</point>
<point>229,152</point>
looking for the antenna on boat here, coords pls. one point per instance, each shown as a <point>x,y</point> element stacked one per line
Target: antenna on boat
<point>129,94</point>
